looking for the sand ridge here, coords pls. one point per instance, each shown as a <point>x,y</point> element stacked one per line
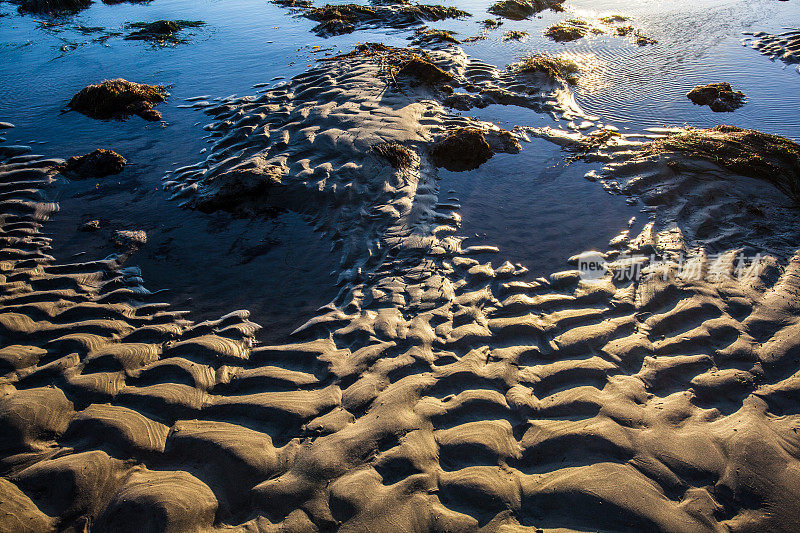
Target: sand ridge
<point>437,392</point>
<point>784,46</point>
<point>309,145</point>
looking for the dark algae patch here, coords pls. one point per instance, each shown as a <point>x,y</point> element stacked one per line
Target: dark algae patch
<point>430,36</point>
<point>523,9</point>
<point>515,35</point>
<point>394,153</point>
<point>346,18</point>
<point>161,32</point>
<point>553,67</point>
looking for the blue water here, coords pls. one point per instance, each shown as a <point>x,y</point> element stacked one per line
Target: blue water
<point>536,208</point>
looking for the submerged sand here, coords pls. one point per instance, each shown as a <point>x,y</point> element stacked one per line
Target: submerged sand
<point>436,392</point>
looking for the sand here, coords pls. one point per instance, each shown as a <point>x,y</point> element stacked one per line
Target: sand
<point>784,46</point>
<point>436,392</point>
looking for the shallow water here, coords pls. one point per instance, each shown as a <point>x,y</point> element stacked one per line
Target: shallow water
<point>517,209</point>
<point>536,208</point>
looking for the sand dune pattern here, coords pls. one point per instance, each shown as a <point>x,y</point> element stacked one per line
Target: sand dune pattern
<point>435,393</point>
<point>784,46</point>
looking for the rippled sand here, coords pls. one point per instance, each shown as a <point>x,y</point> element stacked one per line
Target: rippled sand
<point>436,392</point>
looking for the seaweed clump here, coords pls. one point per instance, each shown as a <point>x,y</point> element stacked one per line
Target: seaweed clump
<point>613,19</point>
<point>750,153</point>
<point>119,99</point>
<point>339,19</point>
<point>568,30</point>
<point>399,63</point>
<point>293,3</point>
<point>344,18</point>
<point>52,6</point>
<point>423,71</point>
<point>396,154</point>
<point>97,164</point>
<point>418,12</point>
<point>161,32</point>
<point>720,97</point>
<point>553,67</point>
<point>461,149</point>
<point>523,9</point>
<point>638,37</point>
<point>429,36</point>
<point>514,35</point>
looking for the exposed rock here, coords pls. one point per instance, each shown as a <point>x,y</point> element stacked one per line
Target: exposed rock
<point>97,164</point>
<point>720,97</point>
<point>119,99</point>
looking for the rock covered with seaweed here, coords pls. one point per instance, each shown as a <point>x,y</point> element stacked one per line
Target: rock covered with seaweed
<point>118,99</point>
<point>97,164</point>
<point>720,97</point>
